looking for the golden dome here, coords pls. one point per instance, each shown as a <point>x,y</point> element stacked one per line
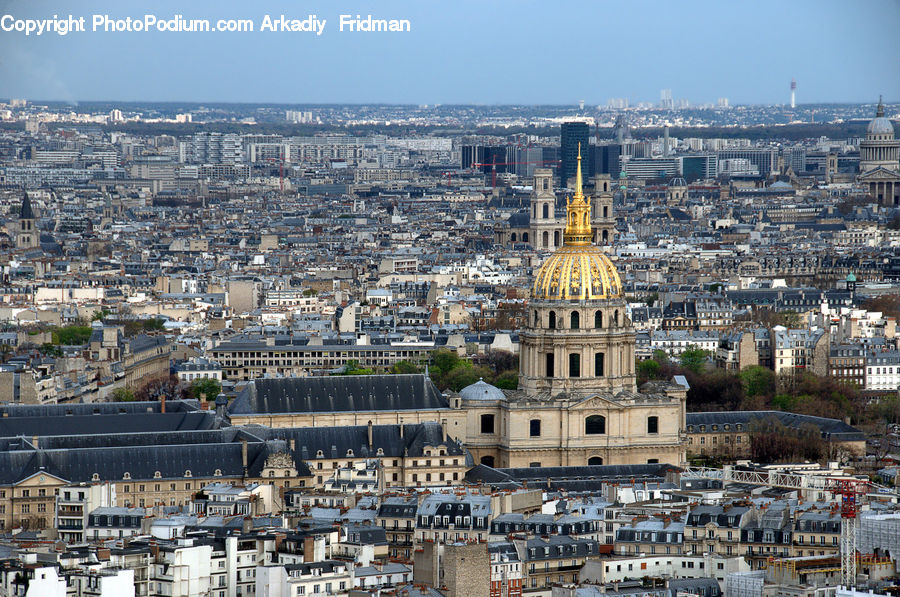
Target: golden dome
<point>577,273</point>
<point>578,270</point>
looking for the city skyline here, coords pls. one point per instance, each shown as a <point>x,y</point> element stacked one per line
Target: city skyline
<point>702,51</point>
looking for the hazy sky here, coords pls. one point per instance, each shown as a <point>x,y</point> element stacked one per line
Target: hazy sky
<point>469,51</point>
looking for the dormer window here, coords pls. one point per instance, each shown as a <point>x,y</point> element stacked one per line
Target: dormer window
<point>126,476</point>
<point>187,473</point>
<point>157,475</point>
<point>95,477</point>
<point>217,473</point>
<point>349,453</point>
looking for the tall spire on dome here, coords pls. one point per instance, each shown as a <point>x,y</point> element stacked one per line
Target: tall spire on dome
<point>879,111</point>
<point>578,214</point>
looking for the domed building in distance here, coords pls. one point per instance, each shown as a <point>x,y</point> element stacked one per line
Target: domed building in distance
<point>879,160</point>
<point>577,402</point>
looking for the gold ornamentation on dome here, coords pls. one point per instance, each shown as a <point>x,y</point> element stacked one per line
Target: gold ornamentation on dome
<point>578,214</point>
<point>578,270</point>
<point>576,277</point>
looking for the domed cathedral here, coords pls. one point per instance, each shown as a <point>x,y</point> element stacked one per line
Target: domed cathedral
<point>577,402</point>
<point>879,160</point>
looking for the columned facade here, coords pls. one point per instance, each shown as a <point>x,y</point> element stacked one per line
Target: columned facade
<point>879,160</point>
<point>584,346</point>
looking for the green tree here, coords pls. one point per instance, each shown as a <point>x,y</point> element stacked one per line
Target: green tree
<point>660,356</point>
<point>50,350</point>
<point>784,402</point>
<point>888,409</point>
<point>122,395</point>
<point>205,388</point>
<point>403,368</point>
<point>71,335</point>
<point>647,370</point>
<point>153,325</point>
<point>508,380</point>
<point>758,381</point>
<point>461,377</point>
<point>693,359</point>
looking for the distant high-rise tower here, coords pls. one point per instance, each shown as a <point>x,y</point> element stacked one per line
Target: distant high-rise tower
<point>793,93</point>
<point>581,104</point>
<point>571,135</point>
<point>621,129</point>
<point>665,99</point>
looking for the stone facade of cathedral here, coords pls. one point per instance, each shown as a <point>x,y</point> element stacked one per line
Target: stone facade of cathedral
<point>577,402</point>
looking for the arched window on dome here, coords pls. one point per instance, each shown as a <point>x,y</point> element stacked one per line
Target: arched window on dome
<point>537,318</point>
<point>524,237</point>
<point>595,461</point>
<point>551,317</point>
<point>605,236</point>
<point>585,219</point>
<point>616,318</point>
<point>574,320</point>
<point>598,319</point>
<point>595,425</point>
<point>512,237</point>
<point>546,239</point>
<point>556,238</point>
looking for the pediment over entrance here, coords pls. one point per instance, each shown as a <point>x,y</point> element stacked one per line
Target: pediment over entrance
<point>878,175</point>
<point>597,401</point>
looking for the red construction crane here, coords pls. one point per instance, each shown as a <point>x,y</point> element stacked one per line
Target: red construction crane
<point>495,163</point>
<point>280,171</point>
<point>852,491</point>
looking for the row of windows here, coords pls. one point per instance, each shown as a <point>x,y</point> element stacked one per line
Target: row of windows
<point>593,425</point>
<point>575,364</point>
<point>575,320</point>
<point>725,427</point>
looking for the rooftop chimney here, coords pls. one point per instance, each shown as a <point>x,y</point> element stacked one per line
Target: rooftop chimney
<point>244,455</point>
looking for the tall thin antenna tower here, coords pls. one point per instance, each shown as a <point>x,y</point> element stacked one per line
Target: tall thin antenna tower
<point>793,93</point>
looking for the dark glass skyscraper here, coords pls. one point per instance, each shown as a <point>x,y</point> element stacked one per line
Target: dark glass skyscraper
<point>573,133</point>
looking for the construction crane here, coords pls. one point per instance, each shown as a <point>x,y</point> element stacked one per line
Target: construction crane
<point>852,491</point>
<point>280,171</point>
<point>495,163</point>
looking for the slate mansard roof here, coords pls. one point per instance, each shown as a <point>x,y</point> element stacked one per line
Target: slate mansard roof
<point>831,429</point>
<point>342,393</point>
<point>573,478</point>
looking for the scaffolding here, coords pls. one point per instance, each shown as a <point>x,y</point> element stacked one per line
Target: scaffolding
<point>879,533</point>
<point>745,584</point>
